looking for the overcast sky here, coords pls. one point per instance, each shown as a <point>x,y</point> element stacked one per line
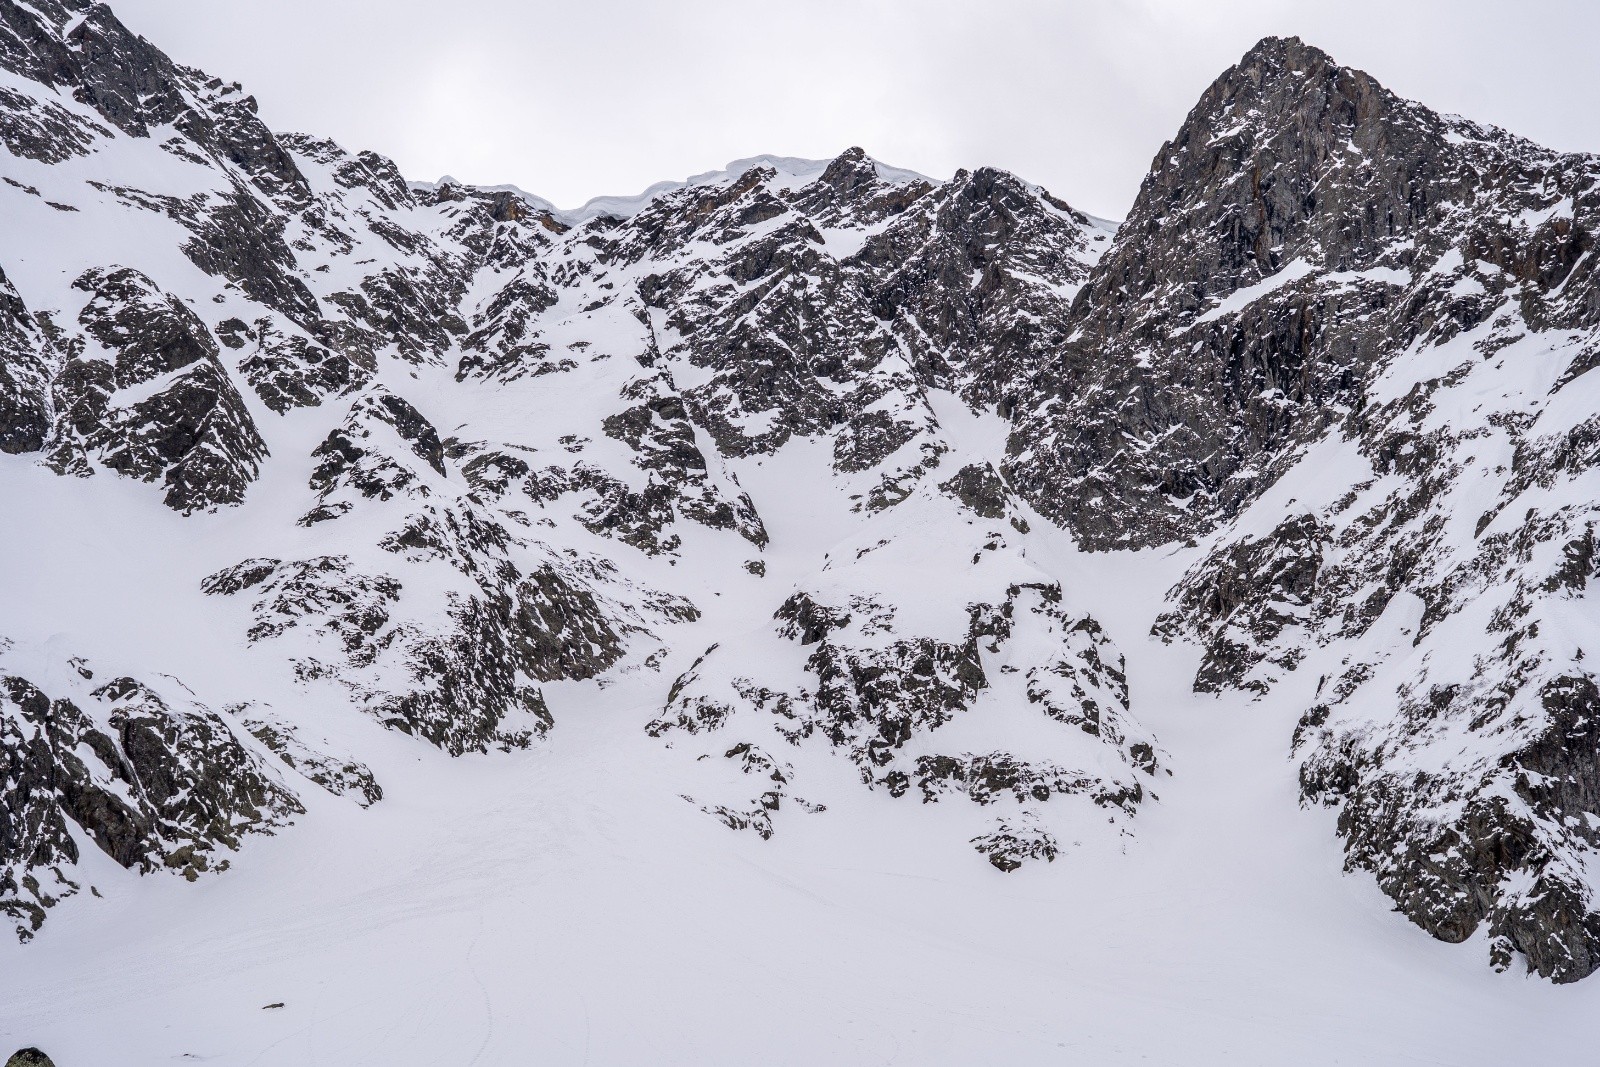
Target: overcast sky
<point>580,98</point>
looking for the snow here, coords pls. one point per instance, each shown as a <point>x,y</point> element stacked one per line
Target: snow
<point>565,905</point>
<point>1533,218</point>
<point>1295,271</point>
<point>1243,298</point>
<point>562,905</point>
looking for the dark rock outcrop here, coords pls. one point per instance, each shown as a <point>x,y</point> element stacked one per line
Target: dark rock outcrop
<point>342,776</point>
<point>151,400</point>
<point>29,1057</point>
<point>881,701</point>
<point>25,373</point>
<point>155,784</point>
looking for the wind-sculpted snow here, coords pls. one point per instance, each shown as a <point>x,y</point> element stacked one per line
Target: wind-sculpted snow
<point>811,460</point>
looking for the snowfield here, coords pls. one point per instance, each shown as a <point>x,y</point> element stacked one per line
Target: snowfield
<point>561,905</point>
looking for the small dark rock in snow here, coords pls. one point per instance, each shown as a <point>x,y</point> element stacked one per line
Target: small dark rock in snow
<point>30,1057</point>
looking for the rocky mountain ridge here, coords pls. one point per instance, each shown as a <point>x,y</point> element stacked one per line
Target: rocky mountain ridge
<point>485,454</point>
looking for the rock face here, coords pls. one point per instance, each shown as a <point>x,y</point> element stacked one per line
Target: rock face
<point>864,660</point>
<point>1242,598</point>
<point>143,394</point>
<point>156,782</point>
<point>25,372</point>
<point>340,775</point>
<point>1383,382</point>
<point>451,456</point>
<point>1303,228</point>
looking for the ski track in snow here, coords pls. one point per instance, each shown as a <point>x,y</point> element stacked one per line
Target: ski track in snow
<point>562,906</point>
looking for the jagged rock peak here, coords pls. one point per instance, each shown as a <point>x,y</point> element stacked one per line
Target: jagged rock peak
<point>1282,75</point>
<point>138,89</point>
<point>1298,170</point>
<point>851,165</point>
<point>1281,55</point>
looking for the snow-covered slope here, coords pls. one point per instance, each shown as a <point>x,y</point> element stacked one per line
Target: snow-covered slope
<point>1352,350</point>
<point>697,626</point>
<point>476,446</point>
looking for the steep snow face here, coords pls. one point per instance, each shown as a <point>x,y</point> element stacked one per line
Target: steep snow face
<point>448,447</point>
